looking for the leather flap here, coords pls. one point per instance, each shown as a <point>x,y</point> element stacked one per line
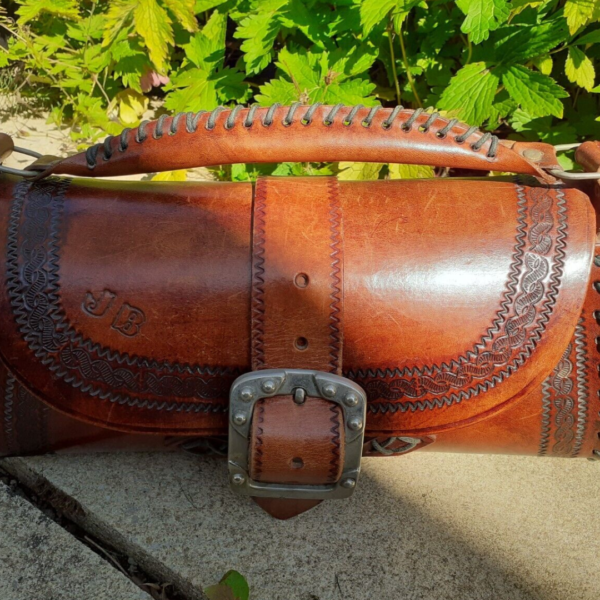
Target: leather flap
<point>127,304</point>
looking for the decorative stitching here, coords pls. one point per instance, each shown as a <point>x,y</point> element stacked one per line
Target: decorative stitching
<point>334,463</point>
<point>258,275</point>
<point>336,296</point>
<point>193,120</point>
<point>520,333</point>
<point>581,362</point>
<point>33,286</point>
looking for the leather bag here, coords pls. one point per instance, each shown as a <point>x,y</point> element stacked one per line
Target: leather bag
<point>300,323</point>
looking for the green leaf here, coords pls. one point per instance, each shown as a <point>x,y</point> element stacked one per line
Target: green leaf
<point>359,171</point>
<point>204,5</point>
<point>471,93</point>
<point>397,171</point>
<point>193,91</point>
<point>118,18</point>
<point>277,90</point>
<point>527,42</point>
<point>259,30</point>
<point>349,92</point>
<point>544,64</point>
<point>579,69</point>
<point>183,10</point>
<point>536,93</point>
<point>154,25</point>
<point>374,11</point>
<point>579,13</point>
<point>230,85</point>
<point>32,9</point>
<point>207,48</point>
<point>593,37</point>
<point>233,586</point>
<point>482,16</point>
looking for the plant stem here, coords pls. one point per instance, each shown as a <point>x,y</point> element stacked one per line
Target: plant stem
<point>391,35</point>
<point>409,76</point>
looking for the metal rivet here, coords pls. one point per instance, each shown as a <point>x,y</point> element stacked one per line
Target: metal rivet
<point>239,418</point>
<point>348,483</point>
<point>351,400</point>
<point>238,479</point>
<point>299,395</point>
<point>355,424</point>
<point>329,390</point>
<point>533,154</point>
<point>246,394</point>
<point>268,386</point>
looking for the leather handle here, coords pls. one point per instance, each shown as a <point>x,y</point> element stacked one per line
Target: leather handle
<point>298,133</point>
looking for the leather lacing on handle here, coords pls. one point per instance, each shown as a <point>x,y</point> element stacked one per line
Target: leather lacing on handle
<point>192,121</point>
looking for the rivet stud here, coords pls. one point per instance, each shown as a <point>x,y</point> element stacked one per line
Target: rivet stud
<point>355,424</point>
<point>246,394</point>
<point>329,390</point>
<point>239,418</point>
<point>348,483</point>
<point>268,386</point>
<point>238,479</point>
<point>351,400</point>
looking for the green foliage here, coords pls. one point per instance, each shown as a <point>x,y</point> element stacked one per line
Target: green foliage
<point>232,586</point>
<point>514,67</point>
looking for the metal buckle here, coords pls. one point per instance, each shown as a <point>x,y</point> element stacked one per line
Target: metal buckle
<point>248,389</point>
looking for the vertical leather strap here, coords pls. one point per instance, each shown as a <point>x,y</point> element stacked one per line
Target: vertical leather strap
<point>297,322</point>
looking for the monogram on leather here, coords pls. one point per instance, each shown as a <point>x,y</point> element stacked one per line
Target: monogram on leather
<point>467,309</point>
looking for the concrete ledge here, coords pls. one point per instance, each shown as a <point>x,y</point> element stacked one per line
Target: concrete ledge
<point>423,526</point>
<point>41,561</point>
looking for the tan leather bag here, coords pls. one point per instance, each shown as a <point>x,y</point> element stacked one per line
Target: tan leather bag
<point>302,322</point>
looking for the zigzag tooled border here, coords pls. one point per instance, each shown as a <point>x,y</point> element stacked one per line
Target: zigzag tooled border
<point>33,289</point>
<point>581,365</point>
<point>257,328</point>
<point>387,384</point>
<point>337,278</point>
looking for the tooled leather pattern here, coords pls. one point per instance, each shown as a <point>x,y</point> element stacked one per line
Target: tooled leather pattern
<point>334,463</point>
<point>258,280</point>
<point>335,314</point>
<point>528,303</point>
<point>565,400</point>
<point>33,287</point>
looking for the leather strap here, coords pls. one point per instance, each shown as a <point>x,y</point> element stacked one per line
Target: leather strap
<point>303,133</point>
<point>297,322</point>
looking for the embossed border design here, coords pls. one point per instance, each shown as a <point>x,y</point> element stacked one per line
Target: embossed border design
<point>475,372</point>
<point>337,278</point>
<point>564,413</point>
<point>34,291</point>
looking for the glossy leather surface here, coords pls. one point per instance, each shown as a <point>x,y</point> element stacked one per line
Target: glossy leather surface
<point>129,305</point>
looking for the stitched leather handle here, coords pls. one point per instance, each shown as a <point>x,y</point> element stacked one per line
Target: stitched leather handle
<point>298,133</point>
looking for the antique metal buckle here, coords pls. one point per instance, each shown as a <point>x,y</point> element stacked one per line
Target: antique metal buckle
<point>248,389</point>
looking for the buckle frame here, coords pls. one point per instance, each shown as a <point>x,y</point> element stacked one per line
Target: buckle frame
<point>251,387</point>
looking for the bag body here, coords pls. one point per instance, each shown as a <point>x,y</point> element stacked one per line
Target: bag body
<point>463,309</point>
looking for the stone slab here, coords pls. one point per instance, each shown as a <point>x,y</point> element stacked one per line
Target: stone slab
<point>420,527</point>
<point>39,560</point>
